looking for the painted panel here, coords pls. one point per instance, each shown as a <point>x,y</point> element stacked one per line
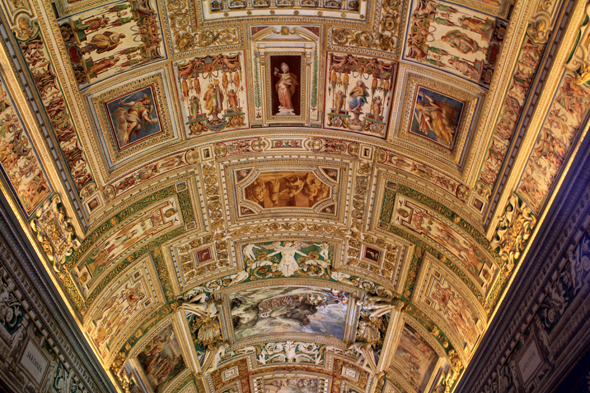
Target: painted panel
<point>288,309</point>
<point>436,116</point>
<point>121,308</point>
<point>18,157</point>
<point>414,358</point>
<point>134,116</point>
<point>105,253</point>
<point>280,189</point>
<point>417,219</point>
<point>213,92</point>
<point>286,95</point>
<point>161,359</point>
<point>359,86</point>
<point>451,305</point>
<point>111,39</point>
<point>291,385</point>
<point>562,125</point>
<point>455,39</point>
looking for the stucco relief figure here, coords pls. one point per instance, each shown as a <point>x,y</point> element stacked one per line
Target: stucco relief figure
<point>132,116</point>
<point>286,87</point>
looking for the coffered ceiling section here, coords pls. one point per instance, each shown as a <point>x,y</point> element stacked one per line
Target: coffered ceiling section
<point>287,195</point>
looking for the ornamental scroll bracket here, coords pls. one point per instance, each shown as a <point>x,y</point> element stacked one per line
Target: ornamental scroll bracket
<point>513,232</point>
<point>54,232</point>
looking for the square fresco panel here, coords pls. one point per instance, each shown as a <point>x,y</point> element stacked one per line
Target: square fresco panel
<point>436,116</point>
<point>288,309</point>
<point>291,385</point>
<point>134,116</point>
<point>161,359</point>
<point>414,358</point>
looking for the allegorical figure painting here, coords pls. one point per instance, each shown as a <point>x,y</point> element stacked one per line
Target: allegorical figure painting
<point>286,93</point>
<point>414,358</point>
<point>18,158</point>
<point>454,38</point>
<point>161,359</point>
<point>291,385</point>
<point>213,92</point>
<point>358,93</point>
<point>113,38</point>
<point>134,116</point>
<point>281,189</point>
<point>288,309</point>
<point>436,116</point>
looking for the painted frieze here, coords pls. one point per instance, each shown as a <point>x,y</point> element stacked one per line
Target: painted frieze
<point>359,93</point>
<point>111,39</point>
<point>43,73</point>
<point>455,39</point>
<point>522,78</point>
<point>563,123</point>
<point>18,157</point>
<point>213,92</point>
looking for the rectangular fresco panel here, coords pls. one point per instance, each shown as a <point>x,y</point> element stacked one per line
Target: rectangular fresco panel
<point>288,309</point>
<point>161,359</point>
<point>455,39</point>
<point>414,358</point>
<point>213,92</point>
<point>112,39</point>
<point>104,254</point>
<point>18,157</point>
<point>280,189</point>
<point>359,93</point>
<point>134,116</point>
<point>562,125</point>
<point>436,116</point>
<point>291,385</point>
<point>453,307</point>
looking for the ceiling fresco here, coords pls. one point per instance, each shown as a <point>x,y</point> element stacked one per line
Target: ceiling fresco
<point>287,195</point>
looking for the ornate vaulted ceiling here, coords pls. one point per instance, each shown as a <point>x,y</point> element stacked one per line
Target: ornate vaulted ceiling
<point>287,195</point>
